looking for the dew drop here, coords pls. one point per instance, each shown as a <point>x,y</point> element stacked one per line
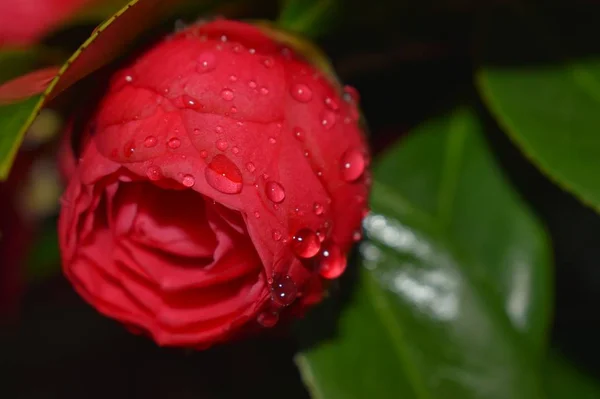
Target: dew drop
<point>153,173</point>
<point>267,319</point>
<point>252,84</point>
<point>227,94</point>
<point>257,214</point>
<point>250,167</point>
<point>275,192</point>
<point>306,244</point>
<point>264,91</point>
<point>222,175</point>
<point>174,143</point>
<point>351,94</point>
<point>252,51</point>
<point>188,180</point>
<point>331,104</point>
<point>357,236</point>
<point>206,62</point>
<point>233,78</point>
<point>301,92</point>
<point>129,149</point>
<point>237,48</point>
<point>328,119</point>
<point>190,102</point>
<point>299,134</point>
<point>219,129</point>
<point>272,140</point>
<point>129,78</point>
<point>283,290</point>
<point>203,154</point>
<point>234,110</point>
<point>268,62</point>
<point>150,141</point>
<point>235,150</point>
<point>276,235</point>
<point>332,262</point>
<point>196,131</point>
<point>353,165</point>
<point>221,145</point>
<point>318,208</point>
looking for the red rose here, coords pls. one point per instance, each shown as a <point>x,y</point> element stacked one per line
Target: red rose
<point>220,178</point>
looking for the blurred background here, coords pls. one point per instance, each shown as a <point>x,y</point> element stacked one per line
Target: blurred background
<point>412,62</point>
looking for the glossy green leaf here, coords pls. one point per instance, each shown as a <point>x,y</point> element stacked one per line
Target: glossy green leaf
<point>546,100</point>
<point>453,295</point>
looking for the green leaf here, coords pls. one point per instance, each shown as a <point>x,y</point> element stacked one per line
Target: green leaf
<point>308,17</point>
<point>546,100</point>
<point>564,380</point>
<point>453,297</point>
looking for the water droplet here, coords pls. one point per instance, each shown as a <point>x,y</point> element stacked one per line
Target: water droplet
<point>234,110</point>
<point>357,236</point>
<point>174,143</point>
<point>129,78</point>
<point>353,165</point>
<point>188,180</point>
<point>332,262</point>
<point>321,234</point>
<point>272,140</point>
<point>222,145</point>
<point>257,214</point>
<point>299,134</point>
<point>301,92</point>
<point>252,84</point>
<point>227,94</point>
<point>332,104</point>
<point>268,62</point>
<point>206,62</point>
<point>153,173</point>
<point>274,192</point>
<point>233,78</point>
<point>328,119</point>
<point>264,91</point>
<point>203,154</point>
<point>223,38</point>
<point>276,235</point>
<point>219,129</point>
<point>190,102</point>
<point>237,48</point>
<point>306,244</point>
<point>196,131</point>
<point>267,319</point>
<point>251,51</point>
<point>250,167</point>
<point>150,141</point>
<point>350,93</point>
<point>283,290</point>
<point>318,208</point>
<point>306,154</point>
<point>129,149</point>
<point>222,175</point>
<point>235,150</point>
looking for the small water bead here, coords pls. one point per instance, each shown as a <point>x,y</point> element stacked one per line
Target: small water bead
<point>306,244</point>
<point>223,38</point>
<point>222,145</point>
<point>222,175</point>
<point>268,62</point>
<point>272,140</point>
<point>299,134</point>
<point>283,290</point>
<point>227,94</point>
<point>264,91</point>
<point>257,214</point>
<point>188,181</point>
<point>276,235</point>
<point>252,51</point>
<point>234,110</point>
<point>128,149</point>
<point>301,92</point>
<point>206,62</point>
<point>203,154</point>
<point>252,84</point>
<point>250,167</point>
<point>129,78</point>
<point>351,94</point>
<point>150,141</point>
<point>328,119</point>
<point>352,165</point>
<point>332,104</point>
<point>235,150</point>
<point>219,129</point>
<point>306,154</point>
<point>274,192</point>
<point>190,102</point>
<point>267,319</point>
<point>196,131</point>
<point>332,262</point>
<point>233,78</point>
<point>237,48</point>
<point>318,208</point>
<point>174,143</point>
<point>153,173</point>
<point>320,234</point>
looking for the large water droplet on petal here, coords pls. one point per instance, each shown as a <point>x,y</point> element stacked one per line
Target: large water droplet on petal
<point>274,192</point>
<point>150,141</point>
<point>188,180</point>
<point>353,165</point>
<point>332,262</point>
<point>301,92</point>
<point>306,244</point>
<point>174,143</point>
<point>221,145</point>
<point>222,175</point>
<point>267,318</point>
<point>283,290</point>
<point>153,173</point>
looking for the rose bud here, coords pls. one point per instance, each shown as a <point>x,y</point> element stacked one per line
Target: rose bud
<point>221,179</point>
